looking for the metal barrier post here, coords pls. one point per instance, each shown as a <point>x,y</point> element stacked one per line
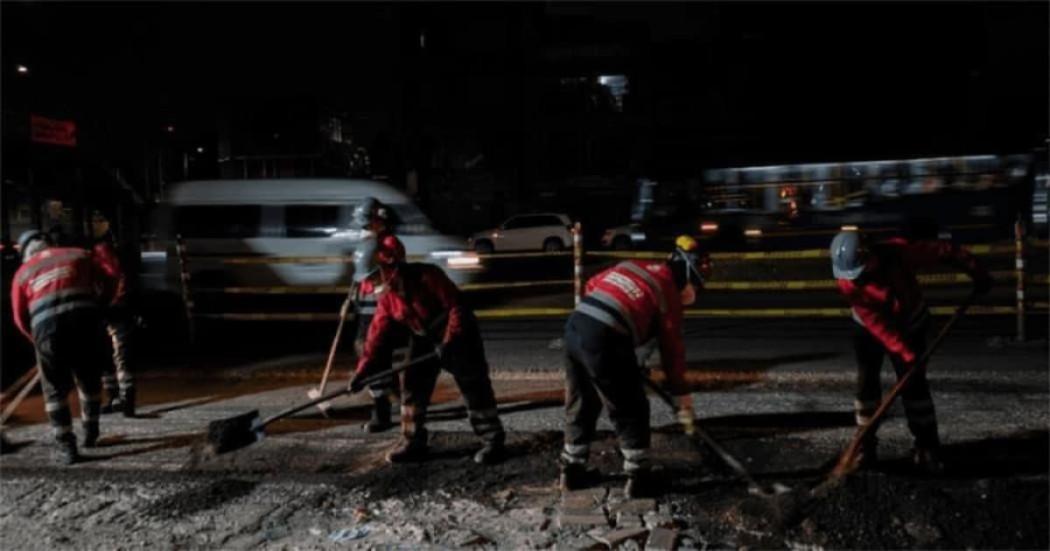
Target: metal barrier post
<point>577,263</point>
<point>1019,266</point>
<point>184,277</point>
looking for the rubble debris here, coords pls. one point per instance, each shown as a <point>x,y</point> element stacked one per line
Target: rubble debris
<point>348,534</point>
<point>616,537</point>
<point>661,539</point>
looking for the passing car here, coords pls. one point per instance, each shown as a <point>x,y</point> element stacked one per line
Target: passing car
<point>548,232</point>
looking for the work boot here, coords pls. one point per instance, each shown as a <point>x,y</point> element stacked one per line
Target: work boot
<point>90,437</point>
<point>492,452</point>
<point>127,397</point>
<point>927,460</point>
<point>380,420</point>
<point>576,476</point>
<point>408,451</point>
<point>65,451</point>
<point>640,484</point>
<point>868,456</point>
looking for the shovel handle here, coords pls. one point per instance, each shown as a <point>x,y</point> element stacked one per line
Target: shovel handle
<point>723,454</point>
<point>21,395</point>
<point>337,393</point>
<point>343,311</point>
<point>845,463</point>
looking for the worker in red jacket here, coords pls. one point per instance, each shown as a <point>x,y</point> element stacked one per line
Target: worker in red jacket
<point>879,282</point>
<point>419,300</point>
<point>373,218</point>
<point>117,377</point>
<point>623,308</point>
<point>56,296</point>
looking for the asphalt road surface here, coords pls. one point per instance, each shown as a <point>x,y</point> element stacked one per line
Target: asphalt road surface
<point>776,393</point>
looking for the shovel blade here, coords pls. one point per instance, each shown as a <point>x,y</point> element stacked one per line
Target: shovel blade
<point>236,432</point>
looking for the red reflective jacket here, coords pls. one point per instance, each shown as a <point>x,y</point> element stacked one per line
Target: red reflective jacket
<point>419,297</point>
<point>647,301</point>
<point>56,281</point>
<point>106,256</point>
<point>887,299</point>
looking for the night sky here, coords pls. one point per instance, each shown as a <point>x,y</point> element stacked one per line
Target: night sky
<point>746,82</point>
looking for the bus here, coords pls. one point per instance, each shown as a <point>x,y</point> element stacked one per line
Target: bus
<point>974,198</point>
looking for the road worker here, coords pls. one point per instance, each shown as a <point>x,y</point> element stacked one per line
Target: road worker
<point>419,301</point>
<point>117,377</point>
<point>56,298</point>
<point>879,282</point>
<point>622,308</point>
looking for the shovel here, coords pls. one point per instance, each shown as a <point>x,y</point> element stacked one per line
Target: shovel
<point>315,393</point>
<point>848,461</point>
<point>243,430</point>
<point>733,463</point>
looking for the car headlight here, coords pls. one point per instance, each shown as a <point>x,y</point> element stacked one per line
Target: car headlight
<point>457,260</point>
<point>637,236</point>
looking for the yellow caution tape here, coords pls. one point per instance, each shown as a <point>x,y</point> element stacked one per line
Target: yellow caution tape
<point>513,285</point>
<point>801,285</point>
<point>510,313</point>
<point>502,313</point>
<point>524,255</point>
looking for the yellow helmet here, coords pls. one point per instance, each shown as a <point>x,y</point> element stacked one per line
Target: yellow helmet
<point>686,243</point>
<point>697,263</point>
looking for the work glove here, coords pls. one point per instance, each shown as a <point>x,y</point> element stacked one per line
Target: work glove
<point>441,350</point>
<point>982,284</point>
<point>685,414</point>
<point>357,382</point>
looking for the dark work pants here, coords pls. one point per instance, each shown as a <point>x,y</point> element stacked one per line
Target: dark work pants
<point>71,351</point>
<point>117,377</point>
<point>918,403</point>
<point>601,369</point>
<point>465,359</point>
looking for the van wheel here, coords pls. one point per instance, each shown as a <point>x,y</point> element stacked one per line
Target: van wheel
<point>484,247</point>
<point>553,245</point>
<point>621,243</point>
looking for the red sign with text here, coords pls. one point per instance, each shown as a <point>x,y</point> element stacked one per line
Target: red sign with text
<point>52,131</point>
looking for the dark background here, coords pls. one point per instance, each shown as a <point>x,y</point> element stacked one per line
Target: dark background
<point>481,110</point>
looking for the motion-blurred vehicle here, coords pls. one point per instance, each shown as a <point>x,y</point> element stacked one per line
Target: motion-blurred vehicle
<point>549,232</point>
<point>973,198</point>
<point>283,220</point>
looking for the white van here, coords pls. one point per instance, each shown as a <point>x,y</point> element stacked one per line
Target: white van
<point>275,218</point>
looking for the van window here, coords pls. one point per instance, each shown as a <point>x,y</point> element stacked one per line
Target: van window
<point>218,221</point>
<point>311,220</point>
<point>407,219</point>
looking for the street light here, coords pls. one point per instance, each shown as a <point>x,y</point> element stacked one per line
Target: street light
<point>22,69</point>
<point>200,150</point>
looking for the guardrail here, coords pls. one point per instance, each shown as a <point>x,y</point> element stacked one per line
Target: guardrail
<point>1018,248</point>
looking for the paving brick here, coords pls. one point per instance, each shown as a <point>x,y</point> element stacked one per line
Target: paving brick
<point>577,518</point>
<point>626,519</point>
<point>617,537</point>
<point>583,499</point>
<point>636,506</point>
<point>661,539</point>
